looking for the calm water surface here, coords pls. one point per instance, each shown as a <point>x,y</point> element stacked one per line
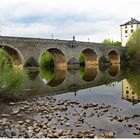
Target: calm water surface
<point>114,86</point>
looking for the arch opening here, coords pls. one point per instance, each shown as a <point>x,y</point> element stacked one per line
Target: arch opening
<point>53,58</point>
<point>114,57</point>
<point>88,58</point>
<point>14,55</point>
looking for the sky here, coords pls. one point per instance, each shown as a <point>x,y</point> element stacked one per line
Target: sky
<point>87,20</point>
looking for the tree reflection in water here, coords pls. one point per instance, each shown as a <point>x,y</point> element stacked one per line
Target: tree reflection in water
<point>53,76</point>
<point>88,74</point>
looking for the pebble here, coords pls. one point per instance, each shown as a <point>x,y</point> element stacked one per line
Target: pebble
<point>50,135</point>
<point>67,124</point>
<point>20,122</point>
<point>8,133</point>
<point>11,103</point>
<point>5,115</point>
<point>27,121</point>
<point>19,115</point>
<point>15,111</point>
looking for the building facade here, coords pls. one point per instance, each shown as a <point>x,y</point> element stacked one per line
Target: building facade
<point>127,29</point>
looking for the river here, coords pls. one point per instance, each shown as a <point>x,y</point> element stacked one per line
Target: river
<point>105,99</point>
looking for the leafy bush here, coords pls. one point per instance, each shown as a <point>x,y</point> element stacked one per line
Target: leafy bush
<point>10,79</point>
<point>47,60</point>
<point>133,46</point>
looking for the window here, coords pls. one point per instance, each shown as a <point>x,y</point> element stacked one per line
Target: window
<point>126,36</point>
<point>132,30</point>
<point>125,27</point>
<point>131,26</point>
<point>125,31</point>
<point>127,91</point>
<point>133,97</point>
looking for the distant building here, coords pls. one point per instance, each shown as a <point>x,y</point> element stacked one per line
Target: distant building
<point>128,94</point>
<point>127,29</point>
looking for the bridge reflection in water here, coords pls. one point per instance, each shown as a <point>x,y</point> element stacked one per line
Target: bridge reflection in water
<point>61,80</point>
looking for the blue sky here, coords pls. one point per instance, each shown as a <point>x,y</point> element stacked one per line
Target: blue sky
<point>93,19</point>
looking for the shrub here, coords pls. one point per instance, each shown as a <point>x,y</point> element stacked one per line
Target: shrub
<point>10,79</point>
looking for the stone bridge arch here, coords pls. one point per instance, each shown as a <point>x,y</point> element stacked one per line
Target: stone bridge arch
<point>114,56</point>
<point>15,55</point>
<point>58,57</point>
<point>90,57</point>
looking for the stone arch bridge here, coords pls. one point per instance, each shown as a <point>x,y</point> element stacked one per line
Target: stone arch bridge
<point>64,52</point>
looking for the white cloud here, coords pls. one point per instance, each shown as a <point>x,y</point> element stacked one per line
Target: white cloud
<point>94,19</point>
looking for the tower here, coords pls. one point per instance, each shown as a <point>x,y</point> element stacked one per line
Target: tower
<point>127,29</point>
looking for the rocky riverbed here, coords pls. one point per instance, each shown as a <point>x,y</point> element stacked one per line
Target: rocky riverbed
<point>50,117</point>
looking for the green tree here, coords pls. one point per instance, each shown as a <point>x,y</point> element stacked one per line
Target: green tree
<point>82,59</point>
<point>107,42</point>
<point>111,42</point>
<point>47,60</point>
<point>133,46</point>
<point>117,43</point>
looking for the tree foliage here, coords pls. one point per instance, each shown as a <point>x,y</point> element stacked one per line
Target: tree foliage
<point>110,42</point>
<point>82,59</point>
<point>47,60</point>
<point>10,79</point>
<point>133,46</point>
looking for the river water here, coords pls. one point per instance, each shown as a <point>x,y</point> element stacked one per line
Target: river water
<point>115,86</point>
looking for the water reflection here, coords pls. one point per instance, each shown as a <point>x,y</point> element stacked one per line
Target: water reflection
<point>53,76</point>
<point>32,75</point>
<point>88,74</point>
<point>60,80</point>
<point>131,85</point>
<point>114,70</point>
<point>128,92</point>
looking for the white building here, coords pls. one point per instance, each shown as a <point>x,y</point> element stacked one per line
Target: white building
<point>127,29</point>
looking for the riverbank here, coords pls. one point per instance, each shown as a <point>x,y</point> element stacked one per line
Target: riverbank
<point>50,117</point>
